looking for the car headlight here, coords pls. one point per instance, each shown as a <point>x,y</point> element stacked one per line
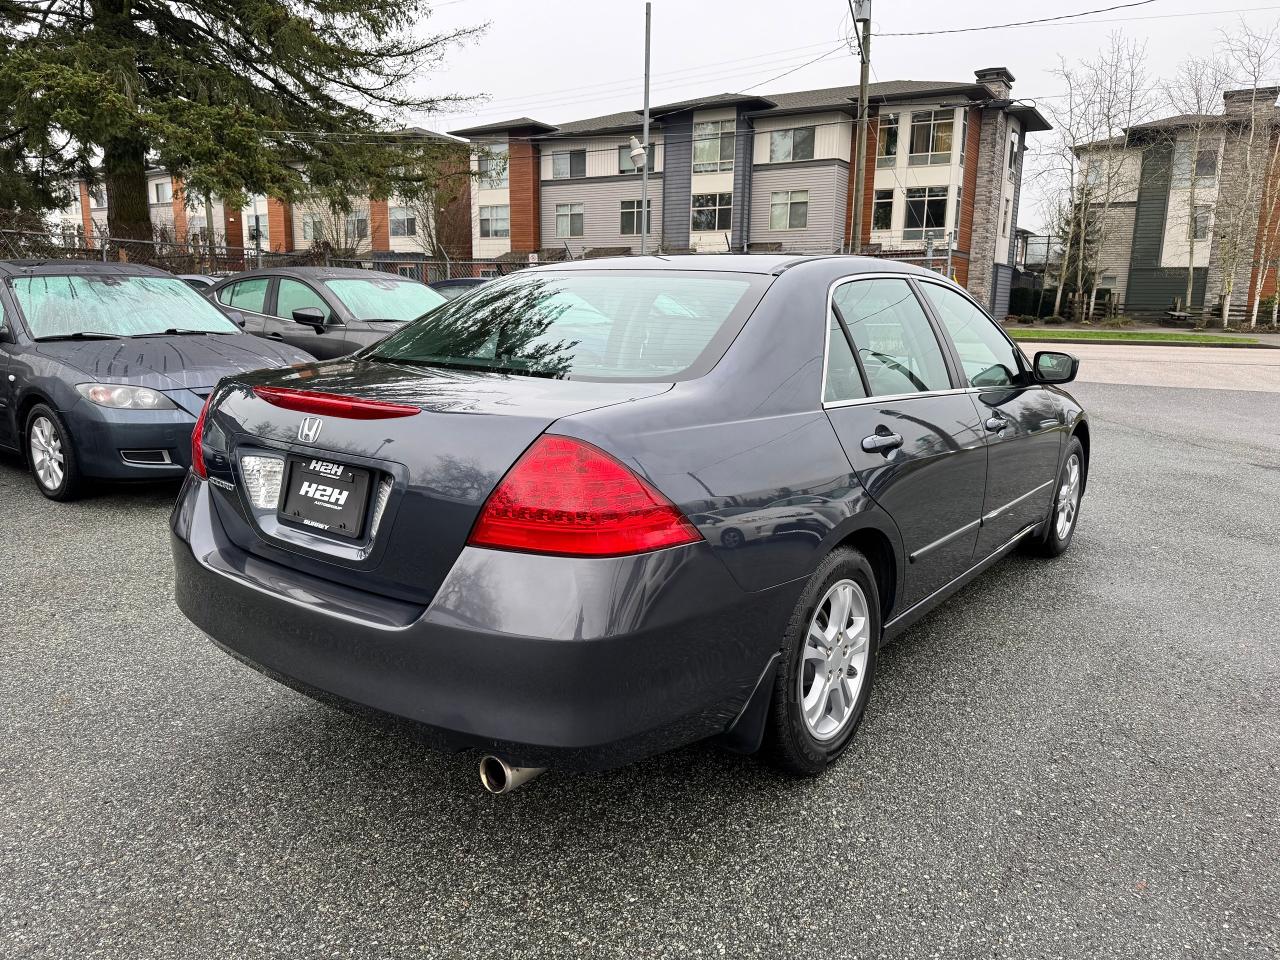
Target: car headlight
<point>120,396</point>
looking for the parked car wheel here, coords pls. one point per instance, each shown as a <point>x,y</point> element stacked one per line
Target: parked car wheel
<point>1061,525</point>
<point>50,455</point>
<point>732,539</point>
<point>829,655</point>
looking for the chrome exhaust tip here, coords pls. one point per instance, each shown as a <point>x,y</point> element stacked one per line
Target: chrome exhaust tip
<point>498,776</point>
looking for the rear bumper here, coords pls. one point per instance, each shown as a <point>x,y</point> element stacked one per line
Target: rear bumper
<point>579,664</point>
<point>104,438</point>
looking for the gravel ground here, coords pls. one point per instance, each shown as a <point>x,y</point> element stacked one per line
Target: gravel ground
<point>1073,758</point>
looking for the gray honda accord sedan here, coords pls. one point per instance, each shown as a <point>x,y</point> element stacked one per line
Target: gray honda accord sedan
<point>597,510</point>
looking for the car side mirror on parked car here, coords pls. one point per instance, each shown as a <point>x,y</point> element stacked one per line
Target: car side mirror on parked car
<point>236,317</point>
<point>1052,366</point>
<point>311,316</point>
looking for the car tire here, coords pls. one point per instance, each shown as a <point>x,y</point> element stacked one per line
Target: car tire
<point>1060,525</point>
<point>50,454</point>
<point>794,741</point>
<point>732,539</point>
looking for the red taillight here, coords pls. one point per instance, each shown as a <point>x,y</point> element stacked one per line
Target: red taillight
<point>565,496</point>
<point>350,408</point>
<point>197,442</point>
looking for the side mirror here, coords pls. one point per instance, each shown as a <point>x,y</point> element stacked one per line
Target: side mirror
<point>6,335</point>
<point>1051,366</point>
<point>311,316</point>
<point>236,317</point>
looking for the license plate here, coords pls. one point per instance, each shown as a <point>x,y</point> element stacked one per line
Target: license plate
<point>326,496</point>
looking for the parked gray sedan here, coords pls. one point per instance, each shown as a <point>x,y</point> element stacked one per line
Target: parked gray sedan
<point>506,521</point>
<point>329,312</point>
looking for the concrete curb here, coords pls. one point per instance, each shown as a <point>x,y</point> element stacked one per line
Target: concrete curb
<point>1147,343</point>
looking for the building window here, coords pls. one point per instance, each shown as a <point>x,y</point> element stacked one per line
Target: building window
<point>492,167</point>
<point>1004,220</point>
<point>625,164</point>
<point>882,211</point>
<point>1200,221</point>
<point>569,165</point>
<point>712,211</point>
<point>931,137</point>
<point>788,145</point>
<point>1013,154</point>
<point>257,228</point>
<point>1207,165</point>
<point>495,221</point>
<point>569,219</point>
<point>964,133</point>
<point>887,149</point>
<point>356,228</point>
<point>630,218</point>
<point>97,197</point>
<point>312,227</point>
<point>713,146</point>
<point>403,222</point>
<point>789,210</point>
<point>163,191</point>
<point>926,213</point>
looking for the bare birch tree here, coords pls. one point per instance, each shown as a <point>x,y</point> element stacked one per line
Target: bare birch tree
<point>1194,96</point>
<point>1251,60</point>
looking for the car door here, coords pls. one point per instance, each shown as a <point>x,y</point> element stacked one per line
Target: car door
<point>1022,420</point>
<point>325,344</point>
<point>249,297</point>
<point>8,429</point>
<point>910,431</point>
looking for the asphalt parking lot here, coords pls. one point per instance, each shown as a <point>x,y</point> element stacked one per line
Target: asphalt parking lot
<point>1073,758</point>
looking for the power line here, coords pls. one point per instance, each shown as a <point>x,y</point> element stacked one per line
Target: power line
<point>842,46</point>
<point>1018,23</point>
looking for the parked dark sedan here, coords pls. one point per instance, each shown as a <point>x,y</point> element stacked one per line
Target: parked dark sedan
<point>104,368</point>
<point>456,287</point>
<point>507,520</point>
<point>329,312</point>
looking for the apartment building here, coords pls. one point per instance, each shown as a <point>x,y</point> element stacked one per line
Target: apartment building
<point>736,172</point>
<point>375,227</point>
<point>1165,183</point>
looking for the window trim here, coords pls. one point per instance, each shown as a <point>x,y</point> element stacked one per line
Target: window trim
<point>718,207</point>
<point>789,202</point>
<point>569,154</point>
<point>813,143</point>
<point>955,374</point>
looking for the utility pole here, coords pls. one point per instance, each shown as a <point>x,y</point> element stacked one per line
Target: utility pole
<point>862,26</point>
<point>644,174</point>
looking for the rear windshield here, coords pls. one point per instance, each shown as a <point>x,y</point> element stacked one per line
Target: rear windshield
<point>379,299</point>
<point>121,306</point>
<point>598,325</point>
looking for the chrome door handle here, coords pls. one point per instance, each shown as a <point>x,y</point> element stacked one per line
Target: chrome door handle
<point>881,442</point>
<point>996,423</point>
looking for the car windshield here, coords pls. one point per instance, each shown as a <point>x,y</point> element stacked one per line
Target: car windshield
<point>384,299</point>
<point>122,306</point>
<point>606,324</point>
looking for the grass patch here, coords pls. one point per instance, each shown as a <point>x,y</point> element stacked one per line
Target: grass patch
<point>1154,336</point>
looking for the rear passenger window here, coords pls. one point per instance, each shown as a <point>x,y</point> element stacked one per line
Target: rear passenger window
<point>246,294</point>
<point>844,382</point>
<point>895,343</point>
<point>989,360</point>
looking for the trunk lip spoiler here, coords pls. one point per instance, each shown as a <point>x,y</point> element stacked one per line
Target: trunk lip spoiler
<point>332,404</point>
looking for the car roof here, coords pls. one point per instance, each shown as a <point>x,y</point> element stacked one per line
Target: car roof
<point>757,263</point>
<point>315,273</point>
<point>49,268</point>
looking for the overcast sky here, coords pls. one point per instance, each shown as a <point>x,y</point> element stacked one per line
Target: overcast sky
<point>559,60</point>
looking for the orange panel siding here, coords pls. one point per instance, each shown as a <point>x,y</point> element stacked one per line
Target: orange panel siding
<point>524,178</point>
<point>379,225</point>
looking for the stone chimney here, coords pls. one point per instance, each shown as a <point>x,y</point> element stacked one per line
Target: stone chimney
<point>1239,102</point>
<point>996,79</point>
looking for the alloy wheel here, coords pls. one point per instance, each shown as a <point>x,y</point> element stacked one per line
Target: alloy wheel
<point>1068,497</point>
<point>47,459</point>
<point>836,648</point>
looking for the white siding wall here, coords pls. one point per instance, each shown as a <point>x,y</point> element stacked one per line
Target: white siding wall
<point>602,153</point>
<point>832,134</point>
<point>1113,258</point>
<point>1177,220</point>
<point>486,196</point>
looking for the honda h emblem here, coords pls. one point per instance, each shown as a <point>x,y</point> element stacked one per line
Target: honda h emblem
<point>310,429</point>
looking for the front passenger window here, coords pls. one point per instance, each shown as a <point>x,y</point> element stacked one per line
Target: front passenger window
<point>988,358</point>
<point>292,295</point>
<point>895,341</point>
